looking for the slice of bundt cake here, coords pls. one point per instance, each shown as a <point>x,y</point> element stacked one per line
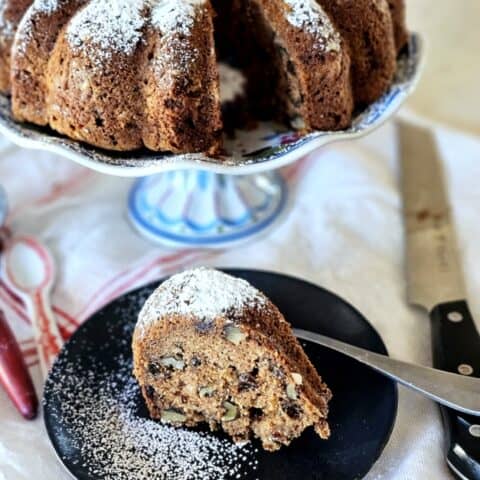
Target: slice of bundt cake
<point>120,74</point>
<point>210,348</point>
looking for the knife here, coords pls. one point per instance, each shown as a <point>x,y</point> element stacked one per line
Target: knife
<point>435,283</point>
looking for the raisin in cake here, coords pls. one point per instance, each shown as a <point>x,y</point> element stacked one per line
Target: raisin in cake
<point>127,74</point>
<point>211,348</point>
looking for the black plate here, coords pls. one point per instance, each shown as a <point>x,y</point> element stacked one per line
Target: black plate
<point>362,412</point>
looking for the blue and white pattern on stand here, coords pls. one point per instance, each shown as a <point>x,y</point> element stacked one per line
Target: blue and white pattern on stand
<point>200,208</point>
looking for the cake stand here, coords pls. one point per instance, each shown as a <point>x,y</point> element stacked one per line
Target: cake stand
<point>193,200</point>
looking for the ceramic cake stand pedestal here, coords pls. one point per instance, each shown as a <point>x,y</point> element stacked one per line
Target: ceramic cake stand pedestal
<point>193,200</point>
<point>202,208</point>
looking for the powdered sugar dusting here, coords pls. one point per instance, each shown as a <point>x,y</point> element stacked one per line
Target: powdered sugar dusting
<point>96,412</point>
<point>174,20</point>
<point>308,15</point>
<point>106,26</point>
<point>202,293</point>
<point>174,16</point>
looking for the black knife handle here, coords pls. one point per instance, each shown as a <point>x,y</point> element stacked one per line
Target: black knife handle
<point>456,348</point>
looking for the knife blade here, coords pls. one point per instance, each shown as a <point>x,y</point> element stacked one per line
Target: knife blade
<point>435,282</point>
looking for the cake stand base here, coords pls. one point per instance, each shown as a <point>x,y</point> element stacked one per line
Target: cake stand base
<point>190,208</point>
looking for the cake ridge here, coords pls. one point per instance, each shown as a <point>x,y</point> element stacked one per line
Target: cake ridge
<point>24,29</point>
<point>311,17</point>
<point>174,16</point>
<point>175,20</point>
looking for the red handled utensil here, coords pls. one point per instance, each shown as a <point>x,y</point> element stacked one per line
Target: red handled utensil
<point>14,374</point>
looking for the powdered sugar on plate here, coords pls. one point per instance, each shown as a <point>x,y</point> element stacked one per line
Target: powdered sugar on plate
<point>97,420</point>
<point>202,293</point>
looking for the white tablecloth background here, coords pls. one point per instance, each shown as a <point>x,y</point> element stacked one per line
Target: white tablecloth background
<point>344,232</point>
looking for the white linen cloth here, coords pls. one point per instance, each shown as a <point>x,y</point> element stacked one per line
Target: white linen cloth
<point>344,232</point>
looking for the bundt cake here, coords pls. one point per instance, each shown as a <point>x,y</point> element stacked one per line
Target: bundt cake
<point>127,74</point>
<point>210,348</point>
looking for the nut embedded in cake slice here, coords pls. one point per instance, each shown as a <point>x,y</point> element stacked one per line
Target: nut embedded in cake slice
<point>211,348</point>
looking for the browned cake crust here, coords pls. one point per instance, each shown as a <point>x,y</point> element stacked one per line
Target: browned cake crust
<point>366,26</point>
<point>312,65</point>
<point>210,348</point>
<point>11,12</point>
<point>34,42</point>
<point>183,109</point>
<point>397,9</point>
<point>161,93</point>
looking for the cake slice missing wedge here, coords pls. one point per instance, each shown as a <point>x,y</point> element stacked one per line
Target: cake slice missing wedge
<point>211,348</point>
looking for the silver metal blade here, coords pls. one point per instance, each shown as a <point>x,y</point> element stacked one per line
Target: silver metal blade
<point>433,267</point>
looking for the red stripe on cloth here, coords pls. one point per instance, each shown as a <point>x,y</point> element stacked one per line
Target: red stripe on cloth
<point>79,176</point>
<point>29,352</point>
<point>59,189</point>
<point>65,316</point>
<point>133,282</point>
<point>13,302</point>
<point>127,285</point>
<point>98,298</point>
<point>67,329</point>
<point>299,168</point>
<point>11,293</point>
